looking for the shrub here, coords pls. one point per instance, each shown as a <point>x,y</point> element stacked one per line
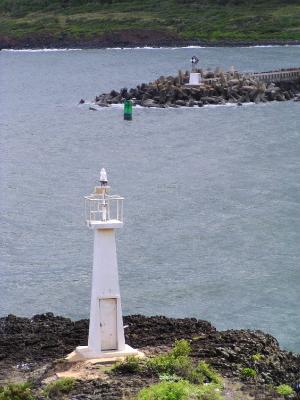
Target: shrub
<point>131,364</point>
<point>181,348</point>
<point>248,372</point>
<point>175,362</point>
<point>16,391</point>
<point>209,392</point>
<point>178,363</point>
<point>59,387</point>
<point>169,364</point>
<point>181,390</point>
<point>166,391</point>
<point>284,390</point>
<point>204,373</point>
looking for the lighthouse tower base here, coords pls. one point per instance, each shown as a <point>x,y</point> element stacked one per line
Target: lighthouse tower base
<point>84,353</point>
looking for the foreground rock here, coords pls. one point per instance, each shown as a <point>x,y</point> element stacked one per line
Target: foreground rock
<point>33,349</point>
<point>217,88</point>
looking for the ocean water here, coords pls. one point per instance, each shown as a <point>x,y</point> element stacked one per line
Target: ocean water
<point>212,203</point>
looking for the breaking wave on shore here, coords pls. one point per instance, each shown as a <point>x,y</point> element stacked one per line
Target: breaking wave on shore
<point>145,48</point>
<point>39,50</point>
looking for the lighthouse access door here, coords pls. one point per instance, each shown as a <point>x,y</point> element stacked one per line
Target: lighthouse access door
<point>108,324</point>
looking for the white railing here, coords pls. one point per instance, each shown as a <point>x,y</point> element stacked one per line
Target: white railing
<point>103,208</point>
<point>276,76</point>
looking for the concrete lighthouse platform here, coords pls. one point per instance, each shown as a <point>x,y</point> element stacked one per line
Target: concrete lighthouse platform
<point>83,353</point>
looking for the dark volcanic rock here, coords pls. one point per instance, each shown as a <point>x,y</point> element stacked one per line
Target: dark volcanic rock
<point>34,345</point>
<point>46,337</point>
<point>232,350</point>
<point>154,331</point>
<point>41,338</point>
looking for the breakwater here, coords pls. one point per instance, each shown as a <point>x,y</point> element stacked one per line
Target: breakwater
<point>216,87</point>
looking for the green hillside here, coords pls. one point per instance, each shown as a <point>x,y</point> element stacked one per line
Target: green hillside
<point>211,20</point>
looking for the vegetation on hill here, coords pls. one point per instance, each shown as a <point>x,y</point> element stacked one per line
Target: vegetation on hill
<point>208,20</point>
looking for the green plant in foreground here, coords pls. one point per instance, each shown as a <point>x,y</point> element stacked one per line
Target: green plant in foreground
<point>181,348</point>
<point>169,378</point>
<point>176,362</point>
<point>16,391</point>
<point>131,364</point>
<point>181,390</point>
<point>204,373</point>
<point>59,387</point>
<point>248,372</point>
<point>284,390</point>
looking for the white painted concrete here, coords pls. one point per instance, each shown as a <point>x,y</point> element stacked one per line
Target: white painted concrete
<point>105,285</point>
<point>195,78</point>
<point>106,332</point>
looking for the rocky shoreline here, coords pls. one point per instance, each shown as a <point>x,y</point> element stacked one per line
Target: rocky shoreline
<point>33,349</point>
<point>217,88</point>
<point>127,40</point>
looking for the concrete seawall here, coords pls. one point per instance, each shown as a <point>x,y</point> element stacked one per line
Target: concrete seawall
<point>285,75</point>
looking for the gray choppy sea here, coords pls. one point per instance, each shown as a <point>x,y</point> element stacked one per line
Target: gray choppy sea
<point>212,206</point>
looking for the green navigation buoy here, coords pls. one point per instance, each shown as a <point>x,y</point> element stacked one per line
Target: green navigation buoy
<point>128,110</point>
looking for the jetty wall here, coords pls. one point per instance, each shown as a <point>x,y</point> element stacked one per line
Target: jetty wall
<point>292,74</point>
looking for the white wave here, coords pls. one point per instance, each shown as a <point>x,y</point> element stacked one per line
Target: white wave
<point>155,48</point>
<point>190,47</point>
<point>147,48</point>
<point>200,47</point>
<point>38,50</point>
<point>270,45</point>
<point>95,107</point>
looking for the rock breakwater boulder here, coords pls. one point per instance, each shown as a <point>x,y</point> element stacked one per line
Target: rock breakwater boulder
<point>216,88</point>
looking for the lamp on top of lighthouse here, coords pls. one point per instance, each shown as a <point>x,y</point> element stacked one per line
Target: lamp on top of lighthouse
<point>103,177</point>
<point>104,214</point>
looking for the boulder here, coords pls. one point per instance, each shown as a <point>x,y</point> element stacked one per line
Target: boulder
<point>114,93</point>
<point>147,103</point>
<point>180,103</point>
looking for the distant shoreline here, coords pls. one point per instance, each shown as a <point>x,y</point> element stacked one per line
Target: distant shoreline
<point>112,42</point>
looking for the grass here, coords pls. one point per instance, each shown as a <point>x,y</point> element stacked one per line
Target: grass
<point>248,373</point>
<point>177,364</point>
<point>130,365</point>
<point>181,390</point>
<point>174,366</point>
<point>189,19</point>
<point>58,388</point>
<point>16,391</point>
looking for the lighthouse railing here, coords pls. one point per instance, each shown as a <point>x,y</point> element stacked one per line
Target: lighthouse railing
<point>103,209</point>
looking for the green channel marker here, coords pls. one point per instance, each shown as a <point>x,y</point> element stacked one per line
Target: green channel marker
<point>128,110</point>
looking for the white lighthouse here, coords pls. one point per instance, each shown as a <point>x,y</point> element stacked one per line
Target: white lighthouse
<point>104,214</point>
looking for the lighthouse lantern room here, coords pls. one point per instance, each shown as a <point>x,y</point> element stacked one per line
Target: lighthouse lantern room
<point>104,214</point>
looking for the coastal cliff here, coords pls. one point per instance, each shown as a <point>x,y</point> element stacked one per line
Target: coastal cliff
<point>33,350</point>
<point>124,23</point>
